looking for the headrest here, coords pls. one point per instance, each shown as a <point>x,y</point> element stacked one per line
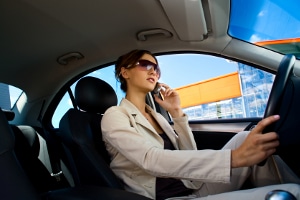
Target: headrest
<point>94,95</point>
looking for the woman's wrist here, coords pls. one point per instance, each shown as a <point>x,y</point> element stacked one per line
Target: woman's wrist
<point>176,113</point>
<point>237,160</point>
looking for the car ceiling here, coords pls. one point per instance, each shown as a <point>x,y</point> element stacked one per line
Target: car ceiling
<point>35,33</point>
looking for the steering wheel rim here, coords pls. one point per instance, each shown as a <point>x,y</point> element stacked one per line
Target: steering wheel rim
<point>273,105</point>
<point>284,71</point>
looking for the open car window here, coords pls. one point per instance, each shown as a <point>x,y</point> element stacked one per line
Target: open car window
<point>210,87</point>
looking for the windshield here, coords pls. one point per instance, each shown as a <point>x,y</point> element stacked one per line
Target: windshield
<point>274,24</point>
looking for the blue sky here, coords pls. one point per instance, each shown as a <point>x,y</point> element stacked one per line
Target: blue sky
<point>183,69</point>
<point>180,69</point>
<point>259,20</point>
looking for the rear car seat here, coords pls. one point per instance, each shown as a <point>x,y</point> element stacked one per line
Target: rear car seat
<point>13,182</point>
<point>32,153</point>
<point>25,170</point>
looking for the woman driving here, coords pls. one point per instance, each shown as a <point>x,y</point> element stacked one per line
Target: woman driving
<point>159,161</point>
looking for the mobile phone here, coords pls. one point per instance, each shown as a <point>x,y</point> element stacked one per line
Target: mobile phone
<point>157,88</point>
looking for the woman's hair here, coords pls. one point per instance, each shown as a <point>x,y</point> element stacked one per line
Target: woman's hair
<point>128,60</point>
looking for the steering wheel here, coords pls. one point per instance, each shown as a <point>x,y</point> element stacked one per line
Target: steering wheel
<point>284,70</point>
<point>274,102</point>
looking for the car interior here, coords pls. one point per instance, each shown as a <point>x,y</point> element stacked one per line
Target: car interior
<point>53,50</point>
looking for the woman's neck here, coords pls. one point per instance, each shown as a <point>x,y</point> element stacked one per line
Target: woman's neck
<point>138,101</point>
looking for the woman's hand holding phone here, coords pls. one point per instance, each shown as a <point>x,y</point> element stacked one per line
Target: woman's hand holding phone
<point>170,99</point>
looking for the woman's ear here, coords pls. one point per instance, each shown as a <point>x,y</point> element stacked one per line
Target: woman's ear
<point>123,73</point>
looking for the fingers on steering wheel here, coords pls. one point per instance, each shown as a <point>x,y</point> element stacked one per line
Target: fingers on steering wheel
<point>267,121</point>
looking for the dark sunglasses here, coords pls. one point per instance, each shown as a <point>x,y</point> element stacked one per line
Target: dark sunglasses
<point>146,65</point>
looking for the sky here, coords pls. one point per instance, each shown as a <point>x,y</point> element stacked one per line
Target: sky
<point>260,20</point>
<point>179,69</point>
<point>183,69</point>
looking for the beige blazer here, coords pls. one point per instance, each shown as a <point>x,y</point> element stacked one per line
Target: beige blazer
<point>138,155</point>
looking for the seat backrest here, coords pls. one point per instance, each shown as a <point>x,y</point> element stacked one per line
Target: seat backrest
<point>80,133</point>
<point>14,184</point>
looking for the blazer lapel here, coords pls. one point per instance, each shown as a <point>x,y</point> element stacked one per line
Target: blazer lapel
<point>137,115</point>
<point>140,119</point>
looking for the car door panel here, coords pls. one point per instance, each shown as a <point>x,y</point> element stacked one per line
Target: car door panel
<point>214,134</point>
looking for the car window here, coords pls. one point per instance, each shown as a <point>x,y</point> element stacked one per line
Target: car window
<point>209,87</point>
<point>272,24</point>
<point>213,88</point>
<point>8,96</point>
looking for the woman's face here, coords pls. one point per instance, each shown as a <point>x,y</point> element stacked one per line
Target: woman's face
<point>144,75</point>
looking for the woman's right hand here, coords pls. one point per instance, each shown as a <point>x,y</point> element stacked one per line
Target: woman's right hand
<point>170,102</point>
<point>257,146</point>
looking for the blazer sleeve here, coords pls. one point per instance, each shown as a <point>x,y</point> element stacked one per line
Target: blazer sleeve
<point>122,134</point>
<point>186,139</point>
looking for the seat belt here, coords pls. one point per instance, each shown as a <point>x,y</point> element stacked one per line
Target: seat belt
<point>53,156</point>
<point>53,151</point>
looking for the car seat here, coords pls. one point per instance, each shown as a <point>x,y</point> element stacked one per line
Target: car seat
<point>14,184</point>
<point>80,133</point>
<point>31,151</point>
